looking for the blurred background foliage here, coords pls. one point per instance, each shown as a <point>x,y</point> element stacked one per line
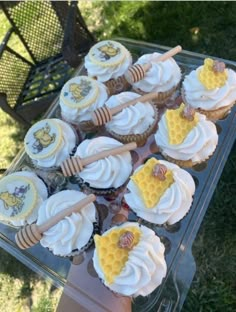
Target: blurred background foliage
<point>206,27</point>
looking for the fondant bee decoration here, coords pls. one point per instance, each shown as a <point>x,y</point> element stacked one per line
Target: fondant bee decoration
<point>14,200</point>
<point>80,90</point>
<point>188,112</point>
<point>218,67</point>
<point>76,90</point>
<point>10,200</point>
<point>108,50</point>
<point>126,240</point>
<point>159,171</point>
<point>43,138</point>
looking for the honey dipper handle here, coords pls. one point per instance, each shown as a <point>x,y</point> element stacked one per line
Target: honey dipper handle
<point>66,212</point>
<point>104,114</point>
<point>168,54</point>
<point>111,152</point>
<point>137,72</point>
<point>143,98</point>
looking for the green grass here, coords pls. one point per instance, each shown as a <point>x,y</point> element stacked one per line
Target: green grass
<point>205,27</point>
<point>22,290</point>
<point>213,288</point>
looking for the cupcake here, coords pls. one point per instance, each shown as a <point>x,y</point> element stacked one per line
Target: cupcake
<point>107,61</point>
<point>78,98</point>
<point>129,259</point>
<point>163,77</point>
<point>210,89</point>
<point>49,142</point>
<point>186,137</point>
<point>108,175</point>
<point>160,192</point>
<point>74,233</point>
<point>134,123</point>
<point>21,194</point>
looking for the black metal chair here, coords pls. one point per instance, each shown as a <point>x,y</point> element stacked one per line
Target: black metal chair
<point>56,38</point>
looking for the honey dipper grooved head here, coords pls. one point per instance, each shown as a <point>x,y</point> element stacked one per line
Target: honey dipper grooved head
<point>28,236</point>
<point>102,115</point>
<point>71,165</point>
<point>135,73</point>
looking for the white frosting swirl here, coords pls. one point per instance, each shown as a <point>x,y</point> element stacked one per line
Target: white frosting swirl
<point>67,144</point>
<point>73,232</point>
<point>75,115</point>
<point>134,119</point>
<point>105,73</point>
<point>161,77</point>
<point>199,144</point>
<point>198,96</point>
<point>112,171</point>
<point>42,194</point>
<point>145,268</point>
<point>174,203</point>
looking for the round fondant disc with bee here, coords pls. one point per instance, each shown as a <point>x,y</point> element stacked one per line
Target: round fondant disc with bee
<point>79,92</point>
<point>107,53</point>
<point>18,197</point>
<point>43,139</point>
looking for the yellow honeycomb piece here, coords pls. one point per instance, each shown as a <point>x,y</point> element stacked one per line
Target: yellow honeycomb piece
<point>210,78</point>
<point>113,258</point>
<point>178,126</point>
<point>150,187</point>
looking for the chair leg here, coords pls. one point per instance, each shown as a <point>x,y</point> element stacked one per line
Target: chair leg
<point>7,109</point>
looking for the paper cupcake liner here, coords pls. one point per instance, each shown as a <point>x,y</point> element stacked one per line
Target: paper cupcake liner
<point>88,126</point>
<point>117,85</point>
<point>83,127</point>
<point>216,114</point>
<point>109,193</point>
<point>213,114</point>
<point>140,139</point>
<point>162,96</point>
<point>185,163</point>
<point>180,163</point>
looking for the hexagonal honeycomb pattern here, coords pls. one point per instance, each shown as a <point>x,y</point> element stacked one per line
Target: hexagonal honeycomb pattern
<point>178,126</point>
<point>150,187</point>
<point>210,78</point>
<point>113,258</point>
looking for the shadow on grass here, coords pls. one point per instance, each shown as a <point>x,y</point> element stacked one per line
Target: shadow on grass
<point>32,293</point>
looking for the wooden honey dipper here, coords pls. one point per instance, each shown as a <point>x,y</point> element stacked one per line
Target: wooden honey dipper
<point>137,72</point>
<point>72,165</point>
<point>31,234</point>
<point>104,114</point>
